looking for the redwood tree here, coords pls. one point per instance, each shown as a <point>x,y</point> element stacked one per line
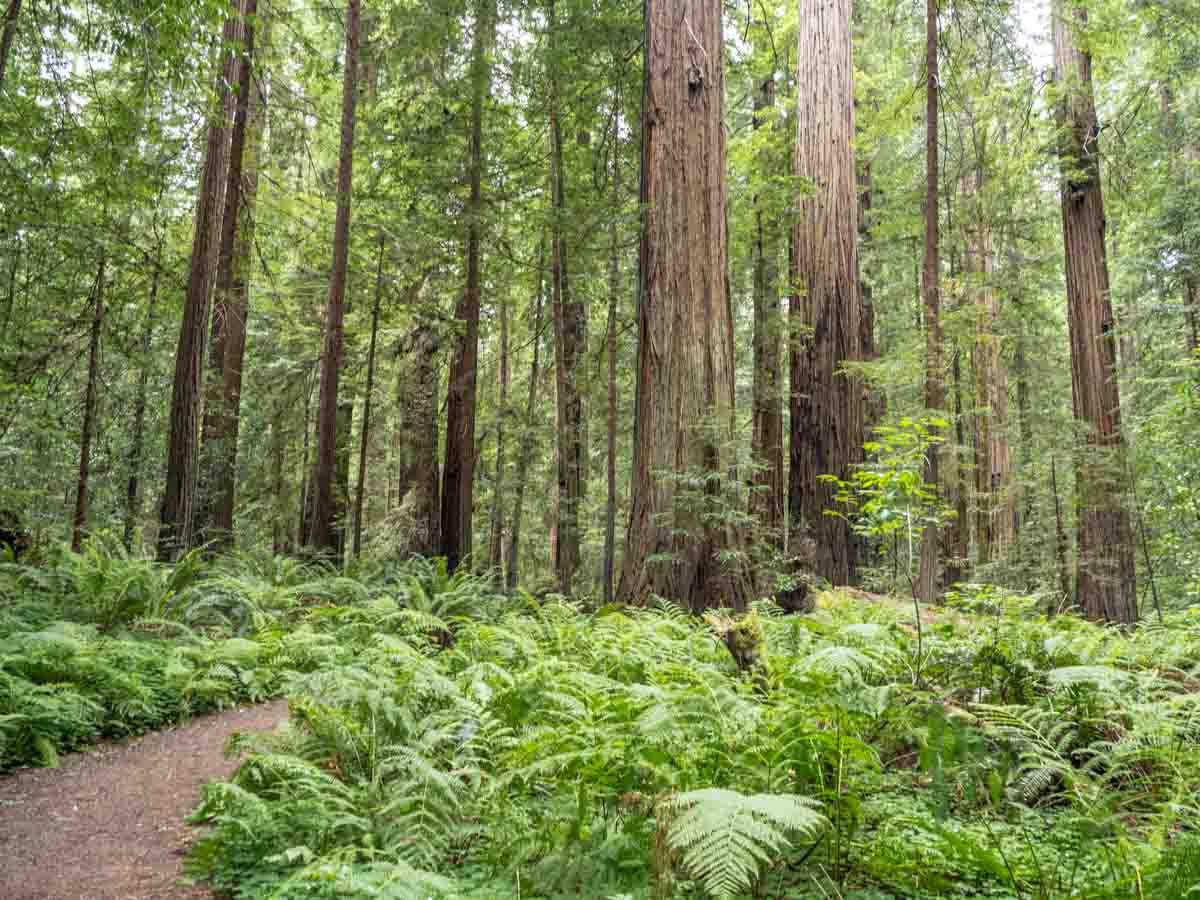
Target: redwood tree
<point>676,547</point>
<point>1106,588</point>
<point>826,309</point>
<point>324,534</point>
<point>458,476</point>
<point>175,534</point>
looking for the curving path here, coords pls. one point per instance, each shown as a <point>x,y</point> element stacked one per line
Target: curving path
<point>108,824</point>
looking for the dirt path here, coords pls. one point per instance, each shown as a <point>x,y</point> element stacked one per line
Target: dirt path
<point>108,824</point>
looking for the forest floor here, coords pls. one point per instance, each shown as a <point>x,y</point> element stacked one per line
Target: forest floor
<point>109,823</point>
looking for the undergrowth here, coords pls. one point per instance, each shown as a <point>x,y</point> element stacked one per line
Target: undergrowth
<point>448,742</point>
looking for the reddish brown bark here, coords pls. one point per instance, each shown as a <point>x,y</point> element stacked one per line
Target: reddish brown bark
<point>1106,588</point>
<point>458,475</point>
<point>324,535</point>
<point>177,511</point>
<point>826,311</point>
<point>227,335</point>
<point>676,547</point>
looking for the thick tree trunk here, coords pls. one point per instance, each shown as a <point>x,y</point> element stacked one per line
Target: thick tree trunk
<point>676,547</point>
<point>767,497</point>
<point>179,494</point>
<point>9,32</point>
<point>365,437</point>
<point>826,310</point>
<point>324,534</point>
<point>525,458</point>
<point>1106,588</point>
<point>80,521</point>
<point>994,502</point>
<point>137,439</point>
<point>458,475</point>
<point>935,393</point>
<point>419,489</point>
<point>227,336</point>
<point>569,349</point>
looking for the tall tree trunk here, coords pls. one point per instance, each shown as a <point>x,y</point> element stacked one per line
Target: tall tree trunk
<point>9,32</point>
<point>458,476</point>
<point>527,433</point>
<point>305,522</point>
<point>1106,588</point>
<point>324,534</point>
<point>137,440</point>
<point>767,498</point>
<point>569,347</point>
<point>227,335</point>
<point>684,397</point>
<point>608,575</point>
<point>994,503</point>
<point>418,479</point>
<point>496,544</point>
<point>935,392</point>
<point>826,310</point>
<point>360,490</point>
<point>958,535</point>
<point>179,494</point>
<point>80,521</point>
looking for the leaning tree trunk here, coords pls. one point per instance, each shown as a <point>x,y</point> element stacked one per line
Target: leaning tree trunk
<point>826,313</point>
<point>935,392</point>
<point>767,498</point>
<point>679,545</point>
<point>458,475</point>
<point>179,494</point>
<point>568,348</point>
<point>79,523</point>
<point>218,452</point>
<point>1106,583</point>
<point>326,535</point>
<point>525,457</point>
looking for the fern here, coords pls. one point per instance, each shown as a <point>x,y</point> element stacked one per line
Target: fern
<point>725,838</point>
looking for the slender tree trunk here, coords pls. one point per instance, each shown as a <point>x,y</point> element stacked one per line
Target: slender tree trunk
<point>608,575</point>
<point>179,494</point>
<point>875,400</point>
<point>527,435</point>
<point>826,310</point>
<point>959,533</point>
<point>280,543</point>
<point>1106,585</point>
<point>324,534</point>
<point>137,440</point>
<point>305,483</point>
<point>496,545</point>
<point>7,34</point>
<point>360,490</point>
<point>341,478</point>
<point>767,498</point>
<point>676,547</point>
<point>568,348</point>
<point>458,476</point>
<point>80,521</point>
<point>935,394</point>
<point>1061,544</point>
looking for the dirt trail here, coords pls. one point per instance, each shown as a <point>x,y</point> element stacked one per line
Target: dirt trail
<point>108,824</point>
